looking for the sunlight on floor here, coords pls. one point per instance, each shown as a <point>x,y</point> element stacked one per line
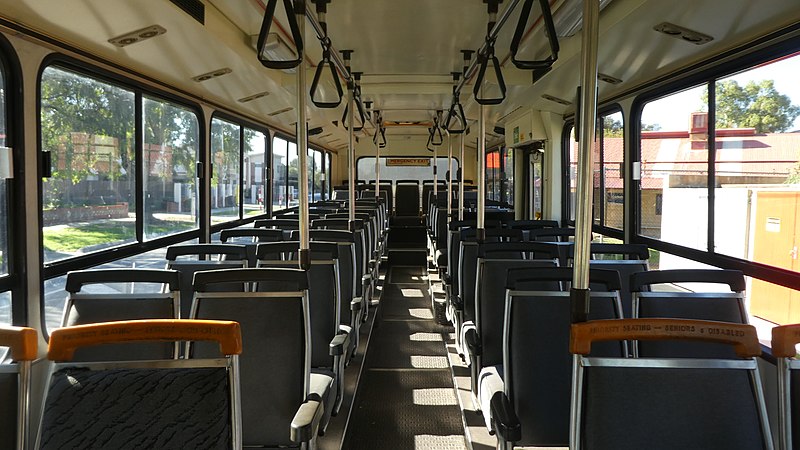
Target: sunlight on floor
<point>429,362</point>
<point>425,337</point>
<point>428,442</point>
<point>435,397</point>
<point>420,313</point>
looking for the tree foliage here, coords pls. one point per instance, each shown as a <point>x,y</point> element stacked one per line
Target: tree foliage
<point>755,105</point>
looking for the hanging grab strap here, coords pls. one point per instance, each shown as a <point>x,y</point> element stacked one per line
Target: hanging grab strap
<point>269,14</point>
<point>542,66</point>
<point>484,60</point>
<point>456,112</point>
<point>326,62</point>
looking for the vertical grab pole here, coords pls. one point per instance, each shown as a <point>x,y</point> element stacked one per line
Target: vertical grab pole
<point>449,179</point>
<point>302,144</point>
<point>579,293</point>
<point>461,175</point>
<point>583,217</point>
<point>378,161</point>
<point>351,160</point>
<point>481,229</point>
<point>435,154</point>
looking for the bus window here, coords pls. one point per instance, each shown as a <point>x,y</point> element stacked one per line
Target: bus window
<point>225,183</point>
<point>171,142</point>
<point>757,178</point>
<point>89,202</point>
<point>673,203</point>
<point>279,155</point>
<point>255,151</point>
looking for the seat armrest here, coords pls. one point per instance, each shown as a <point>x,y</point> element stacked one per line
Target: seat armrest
<point>458,304</point>
<point>446,278</point>
<point>504,418</point>
<point>355,304</point>
<point>305,422</point>
<point>473,341</point>
<point>339,343</point>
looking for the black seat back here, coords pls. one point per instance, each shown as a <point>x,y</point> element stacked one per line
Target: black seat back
<point>276,358</point>
<point>407,199</point>
<point>202,257</point>
<point>721,304</point>
<point>537,363</point>
<point>250,237</point>
<point>96,296</point>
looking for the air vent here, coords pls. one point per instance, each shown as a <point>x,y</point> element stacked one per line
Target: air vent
<point>212,74</point>
<point>685,34</point>
<point>138,36</point>
<point>556,100</point>
<point>280,111</point>
<point>250,98</point>
<point>194,8</point>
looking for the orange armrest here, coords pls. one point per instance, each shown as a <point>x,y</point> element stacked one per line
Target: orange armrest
<point>21,340</point>
<point>784,340</point>
<point>742,337</point>
<point>64,341</point>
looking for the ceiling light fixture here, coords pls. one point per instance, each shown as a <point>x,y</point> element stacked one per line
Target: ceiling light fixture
<point>138,36</point>
<point>685,34</point>
<point>213,74</point>
<point>250,98</point>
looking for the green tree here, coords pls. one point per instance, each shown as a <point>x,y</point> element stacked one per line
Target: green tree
<point>756,104</point>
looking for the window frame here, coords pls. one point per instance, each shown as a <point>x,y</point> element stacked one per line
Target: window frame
<point>266,177</point>
<point>61,267</point>
<point>569,125</point>
<point>17,232</point>
<point>726,66</point>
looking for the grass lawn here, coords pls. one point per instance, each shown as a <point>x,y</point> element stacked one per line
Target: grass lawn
<point>70,239</point>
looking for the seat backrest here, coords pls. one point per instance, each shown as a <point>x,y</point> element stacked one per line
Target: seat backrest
<point>532,224</point>
<point>625,268</point>
<point>15,384</point>
<point>468,271</point>
<point>551,234</point>
<point>278,224</point>
<point>227,256</point>
<point>537,364</point>
<point>493,234</point>
<point>407,199</point>
<point>490,301</point>
<point>663,404</point>
<point>324,292</point>
<point>143,404</point>
<point>276,357</point>
<point>250,237</point>
<point>95,297</point>
<point>723,304</point>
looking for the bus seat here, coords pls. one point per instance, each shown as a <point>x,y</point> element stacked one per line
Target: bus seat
<point>250,237</point>
<point>135,404</point>
<point>536,365</point>
<point>279,349</point>
<point>698,403</point>
<point>715,303</point>
<point>95,297</point>
<point>228,256</point>
<point>784,348</point>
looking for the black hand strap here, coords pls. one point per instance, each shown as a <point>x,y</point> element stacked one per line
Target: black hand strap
<point>485,60</point>
<point>326,62</point>
<point>542,66</point>
<point>264,33</point>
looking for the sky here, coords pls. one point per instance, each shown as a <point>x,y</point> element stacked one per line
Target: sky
<point>673,112</point>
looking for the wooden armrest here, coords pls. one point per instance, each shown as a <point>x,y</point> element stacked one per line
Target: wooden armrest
<point>742,337</point>
<point>784,340</point>
<point>64,341</point>
<point>21,340</point>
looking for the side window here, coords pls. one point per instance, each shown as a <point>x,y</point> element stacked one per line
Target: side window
<point>89,202</point>
<point>674,159</point>
<point>279,162</point>
<point>293,187</point>
<point>225,182</point>
<point>255,152</point>
<point>613,184</point>
<point>171,143</point>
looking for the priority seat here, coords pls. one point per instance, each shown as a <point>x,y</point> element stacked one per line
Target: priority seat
<point>668,403</point>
